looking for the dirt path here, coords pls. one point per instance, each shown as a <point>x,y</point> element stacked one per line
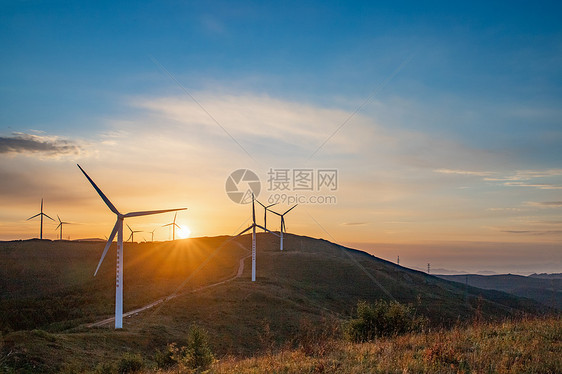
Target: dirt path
<point>174,295</point>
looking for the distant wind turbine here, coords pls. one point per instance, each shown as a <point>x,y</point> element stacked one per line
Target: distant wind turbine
<point>265,209</point>
<point>60,225</point>
<point>253,228</point>
<point>132,236</point>
<point>152,233</point>
<point>283,227</point>
<point>174,225</point>
<point>118,229</point>
<point>41,214</point>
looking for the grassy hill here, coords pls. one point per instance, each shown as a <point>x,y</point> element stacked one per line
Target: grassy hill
<point>48,294</point>
<point>546,290</point>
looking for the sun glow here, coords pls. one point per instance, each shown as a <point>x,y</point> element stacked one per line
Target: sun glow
<point>184,232</point>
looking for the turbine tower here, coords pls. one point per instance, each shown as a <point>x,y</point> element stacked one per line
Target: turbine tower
<point>283,222</point>
<point>253,228</point>
<point>60,225</point>
<point>41,214</point>
<point>132,236</point>
<point>118,229</point>
<point>174,225</point>
<point>265,209</point>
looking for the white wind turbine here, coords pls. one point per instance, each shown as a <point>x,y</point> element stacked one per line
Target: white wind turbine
<point>118,229</point>
<point>41,214</point>
<point>174,225</point>
<point>265,209</point>
<point>132,236</point>
<point>283,222</point>
<point>152,233</point>
<point>253,228</point>
<point>60,225</point>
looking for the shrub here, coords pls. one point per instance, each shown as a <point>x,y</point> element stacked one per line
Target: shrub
<point>197,355</point>
<point>130,363</point>
<point>382,318</point>
<point>164,359</point>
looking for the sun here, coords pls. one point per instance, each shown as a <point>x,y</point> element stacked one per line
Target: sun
<point>183,232</point>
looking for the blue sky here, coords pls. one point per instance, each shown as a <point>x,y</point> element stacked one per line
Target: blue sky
<point>461,133</point>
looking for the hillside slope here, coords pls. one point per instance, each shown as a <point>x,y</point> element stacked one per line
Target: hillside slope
<point>49,286</point>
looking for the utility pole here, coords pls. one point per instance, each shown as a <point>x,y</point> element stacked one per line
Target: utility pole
<point>428,268</point>
<point>398,260</point>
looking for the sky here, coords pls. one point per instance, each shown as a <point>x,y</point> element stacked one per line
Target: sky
<point>439,125</point>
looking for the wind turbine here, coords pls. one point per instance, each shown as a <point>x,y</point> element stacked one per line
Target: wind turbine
<point>152,233</point>
<point>41,214</point>
<point>283,222</point>
<point>174,225</point>
<point>132,236</point>
<point>253,228</point>
<point>265,209</point>
<point>60,225</point>
<point>118,229</point>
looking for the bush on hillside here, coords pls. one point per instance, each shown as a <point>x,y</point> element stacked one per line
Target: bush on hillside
<point>380,319</point>
<point>130,363</point>
<point>196,355</point>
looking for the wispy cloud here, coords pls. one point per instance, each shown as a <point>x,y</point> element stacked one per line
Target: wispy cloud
<point>545,204</point>
<point>526,175</point>
<point>464,172</point>
<point>51,146</point>
<point>540,186</point>
<point>533,232</point>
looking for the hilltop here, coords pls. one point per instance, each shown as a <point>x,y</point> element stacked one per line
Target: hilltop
<point>48,295</point>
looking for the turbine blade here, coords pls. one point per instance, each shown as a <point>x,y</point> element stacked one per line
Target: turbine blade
<point>60,224</point>
<point>294,206</point>
<point>129,227</point>
<point>270,205</point>
<point>37,215</point>
<point>263,228</point>
<point>104,198</point>
<point>47,216</point>
<point>241,232</point>
<point>149,212</point>
<point>274,212</point>
<point>257,201</point>
<point>107,245</point>
<point>175,215</point>
<point>58,218</point>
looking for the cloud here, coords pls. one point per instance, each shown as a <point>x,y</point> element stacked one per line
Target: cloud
<point>533,232</point>
<point>540,186</point>
<point>52,146</point>
<point>355,223</point>
<point>545,204</point>
<point>464,172</point>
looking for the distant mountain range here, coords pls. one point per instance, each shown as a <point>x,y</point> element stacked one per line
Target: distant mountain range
<point>544,288</point>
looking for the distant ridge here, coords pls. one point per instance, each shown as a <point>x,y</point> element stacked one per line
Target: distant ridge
<point>544,288</point>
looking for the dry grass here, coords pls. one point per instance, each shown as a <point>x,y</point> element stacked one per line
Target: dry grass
<point>529,346</point>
